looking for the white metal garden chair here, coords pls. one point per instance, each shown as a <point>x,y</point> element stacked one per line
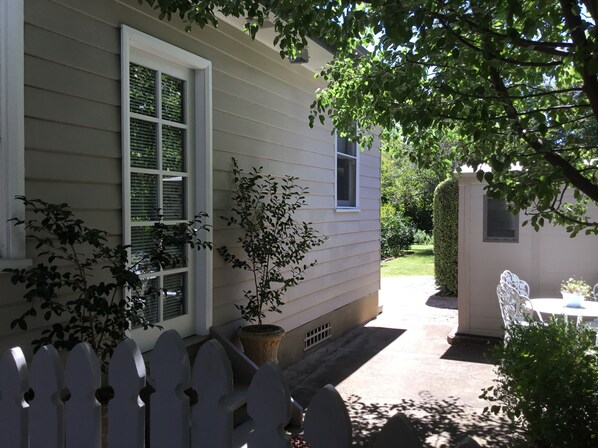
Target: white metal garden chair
<point>521,286</point>
<point>595,291</point>
<point>515,308</point>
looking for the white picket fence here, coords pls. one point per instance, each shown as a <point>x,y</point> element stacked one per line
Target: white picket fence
<point>51,420</point>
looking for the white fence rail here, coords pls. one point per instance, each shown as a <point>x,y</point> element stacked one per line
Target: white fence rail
<point>63,411</point>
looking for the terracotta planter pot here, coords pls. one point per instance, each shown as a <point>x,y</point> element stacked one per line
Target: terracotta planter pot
<point>261,342</point>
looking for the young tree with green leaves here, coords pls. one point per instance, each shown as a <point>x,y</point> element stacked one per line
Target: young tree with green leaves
<point>514,80</point>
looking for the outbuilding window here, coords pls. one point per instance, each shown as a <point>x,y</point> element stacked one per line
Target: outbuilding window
<point>500,225</point>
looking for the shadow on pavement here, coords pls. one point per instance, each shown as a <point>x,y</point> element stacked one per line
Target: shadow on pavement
<point>438,422</point>
<point>466,351</point>
<point>444,302</point>
<point>336,361</point>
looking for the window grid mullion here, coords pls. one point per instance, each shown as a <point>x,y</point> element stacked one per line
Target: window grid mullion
<point>343,155</point>
<point>151,223</point>
<point>159,172</point>
<point>159,137</point>
<point>156,120</point>
<point>158,94</point>
<point>160,295</point>
<point>169,272</point>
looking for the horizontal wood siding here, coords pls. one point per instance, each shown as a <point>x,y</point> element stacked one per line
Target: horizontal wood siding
<point>260,115</point>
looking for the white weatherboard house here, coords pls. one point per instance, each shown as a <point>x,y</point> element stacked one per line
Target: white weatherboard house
<point>491,240</point>
<point>70,124</point>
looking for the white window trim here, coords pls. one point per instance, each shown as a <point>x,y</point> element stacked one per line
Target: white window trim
<point>347,208</point>
<point>495,239</point>
<point>12,133</point>
<point>202,191</point>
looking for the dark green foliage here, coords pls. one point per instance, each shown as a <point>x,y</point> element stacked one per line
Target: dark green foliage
<point>506,82</point>
<point>446,233</point>
<point>396,232</point>
<point>408,187</point>
<point>66,286</point>
<point>274,244</point>
<point>547,382</point>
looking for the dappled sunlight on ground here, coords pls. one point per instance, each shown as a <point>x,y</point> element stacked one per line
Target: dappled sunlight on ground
<point>439,422</point>
<point>402,362</point>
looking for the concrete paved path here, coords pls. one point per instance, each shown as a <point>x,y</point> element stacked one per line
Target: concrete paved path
<point>401,361</point>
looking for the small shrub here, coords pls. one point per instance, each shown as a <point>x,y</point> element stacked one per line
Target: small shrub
<point>446,233</point>
<point>396,232</point>
<point>422,237</point>
<point>68,288</point>
<point>547,377</point>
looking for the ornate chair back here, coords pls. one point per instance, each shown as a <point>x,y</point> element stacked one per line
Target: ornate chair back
<point>521,286</point>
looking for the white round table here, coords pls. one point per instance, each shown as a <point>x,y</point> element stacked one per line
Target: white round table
<point>554,307</point>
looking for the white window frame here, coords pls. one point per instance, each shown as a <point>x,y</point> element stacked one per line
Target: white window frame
<point>498,239</point>
<point>12,134</point>
<point>134,42</point>
<point>337,155</point>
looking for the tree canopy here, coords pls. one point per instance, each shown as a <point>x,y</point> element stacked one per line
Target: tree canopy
<point>408,188</point>
<point>513,83</point>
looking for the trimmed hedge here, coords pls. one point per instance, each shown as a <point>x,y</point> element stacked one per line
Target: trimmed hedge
<point>446,230</point>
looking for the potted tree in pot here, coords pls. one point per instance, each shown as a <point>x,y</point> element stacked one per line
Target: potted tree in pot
<point>273,247</point>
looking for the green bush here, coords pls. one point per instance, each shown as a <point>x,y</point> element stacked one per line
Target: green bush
<point>446,229</point>
<point>68,287</point>
<point>547,382</point>
<point>396,232</point>
<point>422,237</point>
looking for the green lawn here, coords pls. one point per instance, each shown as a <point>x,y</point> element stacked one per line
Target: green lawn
<point>419,261</point>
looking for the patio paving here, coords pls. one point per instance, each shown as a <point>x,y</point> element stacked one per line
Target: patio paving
<point>401,361</point>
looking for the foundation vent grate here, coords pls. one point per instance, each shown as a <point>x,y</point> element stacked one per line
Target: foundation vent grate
<point>317,336</point>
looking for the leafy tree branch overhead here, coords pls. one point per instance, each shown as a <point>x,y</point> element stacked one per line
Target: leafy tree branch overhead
<point>510,82</point>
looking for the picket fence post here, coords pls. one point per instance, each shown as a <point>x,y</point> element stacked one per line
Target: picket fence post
<point>327,422</point>
<point>14,382</point>
<point>269,406</point>
<point>46,410</point>
<point>169,406</point>
<point>49,422</point>
<point>83,412</point>
<point>126,411</point>
<point>212,422</point>
<point>397,431</point>
<point>468,442</point>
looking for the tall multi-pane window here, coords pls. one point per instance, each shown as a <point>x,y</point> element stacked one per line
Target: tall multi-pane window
<point>347,154</point>
<point>166,139</point>
<point>159,177</point>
